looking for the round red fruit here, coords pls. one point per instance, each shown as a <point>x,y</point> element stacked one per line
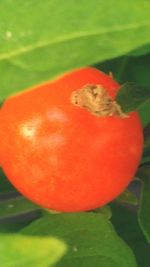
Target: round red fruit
<point>67,145</point>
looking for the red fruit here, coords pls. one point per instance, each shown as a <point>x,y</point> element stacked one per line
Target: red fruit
<point>62,156</point>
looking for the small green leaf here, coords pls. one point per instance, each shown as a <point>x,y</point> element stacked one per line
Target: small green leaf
<point>144,211</point>
<point>90,237</point>
<point>131,96</point>
<point>21,251</point>
<point>16,206</point>
<point>127,197</point>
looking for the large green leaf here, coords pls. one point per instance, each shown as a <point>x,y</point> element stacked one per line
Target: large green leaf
<point>90,238</point>
<point>42,39</point>
<point>144,211</point>
<point>22,251</point>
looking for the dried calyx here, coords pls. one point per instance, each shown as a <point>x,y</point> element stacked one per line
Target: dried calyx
<point>96,99</point>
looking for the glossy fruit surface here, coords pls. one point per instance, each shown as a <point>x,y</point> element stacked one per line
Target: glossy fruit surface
<point>61,156</point>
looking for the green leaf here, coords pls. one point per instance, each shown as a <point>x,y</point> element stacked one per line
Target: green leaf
<point>127,197</point>
<point>90,238</point>
<point>144,211</point>
<point>126,225</point>
<point>15,206</point>
<point>131,96</point>
<point>22,251</point>
<point>60,36</point>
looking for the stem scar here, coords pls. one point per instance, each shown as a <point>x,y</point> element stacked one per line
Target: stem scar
<point>95,99</point>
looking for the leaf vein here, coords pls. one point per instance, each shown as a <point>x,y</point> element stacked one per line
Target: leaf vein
<point>70,37</point>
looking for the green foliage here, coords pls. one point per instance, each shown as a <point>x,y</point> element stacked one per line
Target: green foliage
<point>127,197</point>
<point>146,152</point>
<point>21,251</point>
<point>16,206</point>
<point>105,210</point>
<point>5,185</point>
<point>133,69</point>
<point>60,36</point>
<point>40,40</point>
<point>126,225</point>
<point>90,239</point>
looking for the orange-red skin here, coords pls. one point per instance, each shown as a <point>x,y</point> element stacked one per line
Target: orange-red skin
<point>61,156</point>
